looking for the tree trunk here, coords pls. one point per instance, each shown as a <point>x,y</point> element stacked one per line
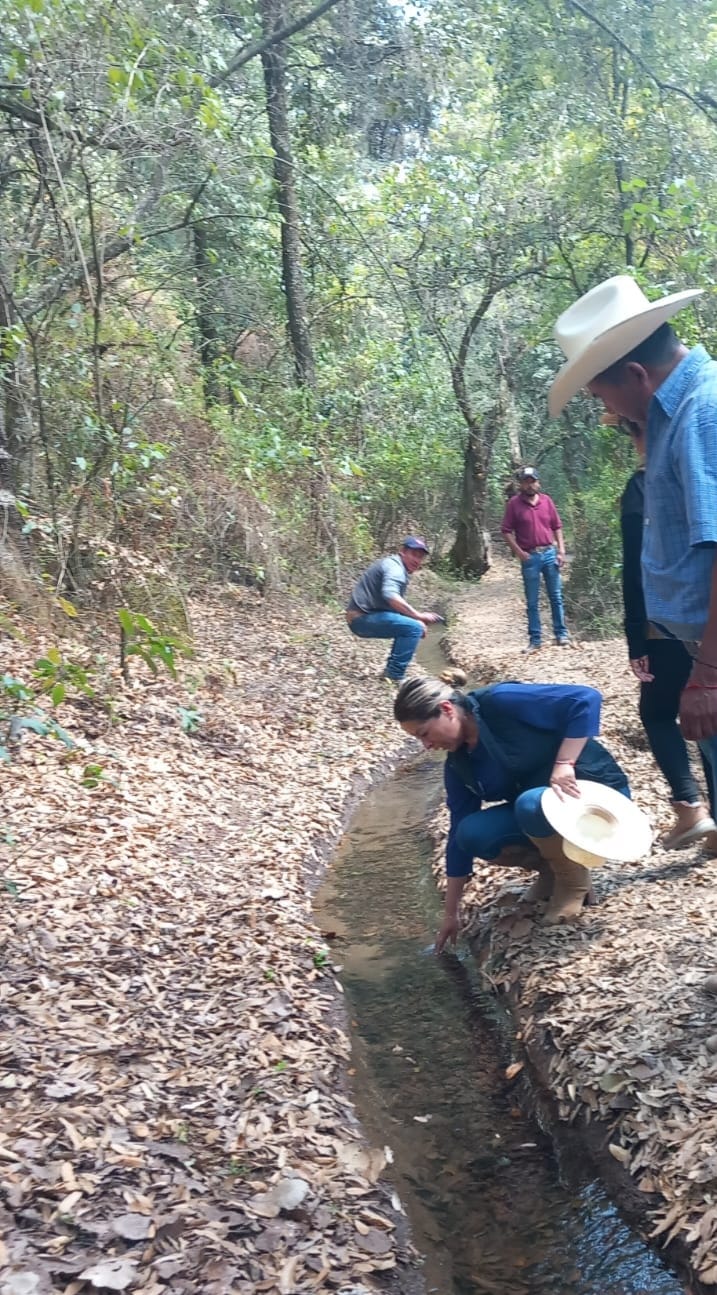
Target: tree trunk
<point>209,342</point>
<point>274,65</point>
<point>508,354</point>
<point>10,409</point>
<point>470,554</point>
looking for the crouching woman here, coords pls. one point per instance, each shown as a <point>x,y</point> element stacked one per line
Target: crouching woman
<point>506,743</point>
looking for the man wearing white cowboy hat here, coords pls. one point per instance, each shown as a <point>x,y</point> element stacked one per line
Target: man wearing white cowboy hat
<point>620,346</point>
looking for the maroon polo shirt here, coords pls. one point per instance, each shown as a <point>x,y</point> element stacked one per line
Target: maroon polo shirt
<point>532,524</point>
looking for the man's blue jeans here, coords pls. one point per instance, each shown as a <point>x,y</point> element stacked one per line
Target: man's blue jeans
<point>485,834</point>
<point>545,564</point>
<point>405,632</point>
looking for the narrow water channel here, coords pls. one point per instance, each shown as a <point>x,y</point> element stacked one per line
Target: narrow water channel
<point>491,1207</point>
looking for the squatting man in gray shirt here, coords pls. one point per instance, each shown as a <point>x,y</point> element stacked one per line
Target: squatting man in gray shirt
<point>377,608</point>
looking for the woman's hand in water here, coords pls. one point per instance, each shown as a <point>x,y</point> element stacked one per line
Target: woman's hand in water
<point>450,928</point>
<point>563,781</point>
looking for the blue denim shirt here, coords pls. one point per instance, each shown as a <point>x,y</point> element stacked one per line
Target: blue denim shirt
<point>681,497</point>
<point>565,710</point>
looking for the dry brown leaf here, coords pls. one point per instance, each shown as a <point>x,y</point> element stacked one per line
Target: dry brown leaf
<point>367,1162</point>
<point>133,1227</point>
<point>287,1276</point>
<point>287,1195</point>
<point>611,1082</point>
<point>111,1274</point>
<point>374,1242</point>
<point>619,1153</point>
<point>23,1283</point>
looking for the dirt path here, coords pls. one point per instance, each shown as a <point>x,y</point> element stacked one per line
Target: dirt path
<point>612,1012</point>
<point>175,1112</point>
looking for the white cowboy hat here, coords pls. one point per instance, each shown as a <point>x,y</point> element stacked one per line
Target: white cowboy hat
<point>601,824</point>
<point>601,327</point>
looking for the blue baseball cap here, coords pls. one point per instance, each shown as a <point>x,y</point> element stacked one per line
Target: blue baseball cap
<point>415,542</point>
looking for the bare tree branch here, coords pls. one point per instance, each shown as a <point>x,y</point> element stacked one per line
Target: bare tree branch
<point>700,99</point>
<point>113,248</point>
<point>35,118</point>
<point>281,33</point>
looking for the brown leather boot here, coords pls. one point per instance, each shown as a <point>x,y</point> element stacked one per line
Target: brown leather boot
<point>528,858</point>
<point>520,855</point>
<point>542,887</point>
<point>571,884</point>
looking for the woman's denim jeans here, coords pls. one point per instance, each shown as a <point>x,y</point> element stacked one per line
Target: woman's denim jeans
<point>485,834</point>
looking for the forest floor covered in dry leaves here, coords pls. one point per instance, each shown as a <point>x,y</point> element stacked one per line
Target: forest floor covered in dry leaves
<point>175,1110</point>
<point>176,1116</point>
<point>611,1012</point>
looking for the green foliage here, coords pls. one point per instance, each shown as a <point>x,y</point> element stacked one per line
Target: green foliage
<point>18,714</point>
<point>443,156</point>
<point>141,638</point>
<point>190,719</point>
<point>56,673</point>
<point>93,775</point>
<point>10,887</point>
<point>594,593</point>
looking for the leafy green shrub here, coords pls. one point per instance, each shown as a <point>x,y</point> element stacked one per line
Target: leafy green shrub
<point>140,637</point>
<point>19,714</point>
<point>56,673</point>
<point>593,593</point>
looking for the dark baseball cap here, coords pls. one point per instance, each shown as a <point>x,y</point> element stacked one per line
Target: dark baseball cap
<point>415,542</point>
<point>528,474</point>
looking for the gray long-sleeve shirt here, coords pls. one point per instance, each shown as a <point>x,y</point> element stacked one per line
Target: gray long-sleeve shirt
<point>386,578</point>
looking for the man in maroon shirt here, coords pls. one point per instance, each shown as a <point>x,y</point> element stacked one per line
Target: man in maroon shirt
<point>534,533</point>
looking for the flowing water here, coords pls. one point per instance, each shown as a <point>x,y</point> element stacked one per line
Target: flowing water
<point>492,1208</point>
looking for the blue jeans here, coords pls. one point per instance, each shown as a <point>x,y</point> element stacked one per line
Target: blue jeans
<point>485,834</point>
<point>545,564</point>
<point>405,632</point>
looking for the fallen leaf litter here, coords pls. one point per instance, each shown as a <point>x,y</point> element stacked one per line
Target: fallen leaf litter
<point>622,1003</point>
<point>175,1114</point>
<point>174,1111</point>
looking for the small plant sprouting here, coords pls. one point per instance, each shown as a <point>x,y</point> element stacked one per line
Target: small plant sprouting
<point>139,636</point>
<point>190,719</point>
<point>238,1168</point>
<point>17,714</point>
<point>55,674</point>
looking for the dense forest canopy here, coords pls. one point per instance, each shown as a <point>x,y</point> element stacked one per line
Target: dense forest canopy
<point>276,282</point>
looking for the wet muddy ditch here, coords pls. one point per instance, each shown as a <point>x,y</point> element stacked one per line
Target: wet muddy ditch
<point>494,1207</point>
